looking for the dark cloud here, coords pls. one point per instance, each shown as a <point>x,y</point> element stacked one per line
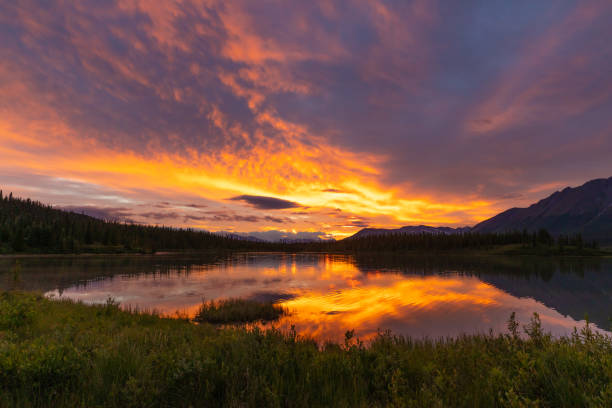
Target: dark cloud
<point>485,100</point>
<point>239,218</point>
<point>197,206</point>
<point>276,219</point>
<point>358,224</point>
<point>223,217</point>
<point>125,214</point>
<point>300,213</point>
<point>160,215</point>
<point>229,216</point>
<point>187,218</point>
<point>266,203</point>
<point>153,217</point>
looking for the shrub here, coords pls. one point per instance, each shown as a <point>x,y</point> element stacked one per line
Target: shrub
<point>15,311</point>
<point>81,356</point>
<point>228,311</point>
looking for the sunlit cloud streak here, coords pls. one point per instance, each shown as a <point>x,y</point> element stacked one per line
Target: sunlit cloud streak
<point>395,113</point>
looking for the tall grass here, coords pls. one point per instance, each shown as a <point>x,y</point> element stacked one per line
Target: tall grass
<point>64,354</point>
<point>235,310</point>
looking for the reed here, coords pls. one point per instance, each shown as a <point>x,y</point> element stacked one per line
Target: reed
<point>236,310</point>
<point>66,354</point>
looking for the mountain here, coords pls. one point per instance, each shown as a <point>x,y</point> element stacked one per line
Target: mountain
<point>301,240</point>
<point>251,238</point>
<point>239,236</point>
<point>586,209</point>
<point>420,229</point>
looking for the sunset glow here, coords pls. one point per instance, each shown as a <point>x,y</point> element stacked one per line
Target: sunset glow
<point>326,295</point>
<point>226,117</point>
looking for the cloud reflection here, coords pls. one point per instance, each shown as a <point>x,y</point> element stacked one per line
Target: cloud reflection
<point>328,295</point>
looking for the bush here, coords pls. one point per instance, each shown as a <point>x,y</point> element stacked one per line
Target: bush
<point>40,369</point>
<point>15,311</point>
<point>226,311</point>
<point>102,356</point>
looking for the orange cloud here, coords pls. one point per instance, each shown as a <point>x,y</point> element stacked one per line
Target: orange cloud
<point>214,129</point>
<point>295,172</point>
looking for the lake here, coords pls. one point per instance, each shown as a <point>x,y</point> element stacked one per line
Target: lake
<point>328,294</point>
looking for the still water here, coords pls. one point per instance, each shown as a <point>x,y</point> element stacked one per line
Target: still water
<point>328,294</point>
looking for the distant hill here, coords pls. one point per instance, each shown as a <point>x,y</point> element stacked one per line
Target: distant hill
<point>420,229</point>
<point>29,226</point>
<point>586,209</point>
<point>301,240</point>
<point>274,236</point>
<point>239,236</point>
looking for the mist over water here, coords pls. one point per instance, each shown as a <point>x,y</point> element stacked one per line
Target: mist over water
<point>328,294</point>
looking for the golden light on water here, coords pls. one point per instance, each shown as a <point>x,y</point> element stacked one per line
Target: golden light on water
<point>328,295</point>
<point>369,304</point>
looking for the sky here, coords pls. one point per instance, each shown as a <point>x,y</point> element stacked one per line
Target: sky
<point>303,119</point>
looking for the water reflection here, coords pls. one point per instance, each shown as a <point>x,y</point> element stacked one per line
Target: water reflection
<point>329,294</point>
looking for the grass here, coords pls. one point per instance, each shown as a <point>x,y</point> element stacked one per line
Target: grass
<point>235,310</point>
<point>65,354</point>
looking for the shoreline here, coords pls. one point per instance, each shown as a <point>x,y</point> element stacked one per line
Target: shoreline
<point>605,253</point>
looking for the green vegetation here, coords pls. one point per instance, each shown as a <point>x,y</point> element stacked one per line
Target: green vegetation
<point>30,227</point>
<point>64,354</point>
<point>235,310</point>
<point>518,242</point>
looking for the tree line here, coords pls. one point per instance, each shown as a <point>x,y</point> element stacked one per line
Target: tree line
<point>463,240</point>
<point>30,226</point>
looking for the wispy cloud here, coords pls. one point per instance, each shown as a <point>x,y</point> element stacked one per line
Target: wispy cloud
<point>391,112</point>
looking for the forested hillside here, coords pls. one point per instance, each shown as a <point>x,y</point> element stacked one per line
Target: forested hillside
<point>535,242</point>
<point>586,209</point>
<point>29,226</point>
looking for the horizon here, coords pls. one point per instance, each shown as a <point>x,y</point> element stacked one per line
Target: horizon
<point>278,235</point>
<point>312,120</point>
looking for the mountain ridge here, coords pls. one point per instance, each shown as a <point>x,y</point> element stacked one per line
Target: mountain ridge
<point>586,210</point>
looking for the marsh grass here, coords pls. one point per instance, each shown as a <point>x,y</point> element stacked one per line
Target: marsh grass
<point>66,354</point>
<point>236,310</point>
